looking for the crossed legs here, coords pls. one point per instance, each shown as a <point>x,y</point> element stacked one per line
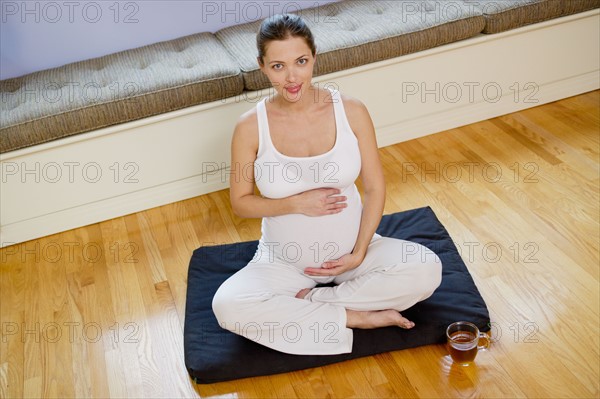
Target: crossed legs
<point>275,304</point>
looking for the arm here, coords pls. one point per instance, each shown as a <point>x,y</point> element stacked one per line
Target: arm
<point>244,203</point>
<point>371,176</point>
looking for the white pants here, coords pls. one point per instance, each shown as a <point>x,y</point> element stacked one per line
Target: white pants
<point>258,302</point>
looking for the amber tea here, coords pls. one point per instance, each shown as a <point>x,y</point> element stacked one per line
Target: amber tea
<point>463,342</point>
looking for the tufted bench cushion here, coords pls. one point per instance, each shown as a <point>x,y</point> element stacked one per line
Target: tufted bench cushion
<point>115,88</point>
<point>353,33</point>
<point>502,15</point>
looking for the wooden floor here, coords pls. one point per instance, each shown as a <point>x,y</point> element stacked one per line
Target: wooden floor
<point>98,311</point>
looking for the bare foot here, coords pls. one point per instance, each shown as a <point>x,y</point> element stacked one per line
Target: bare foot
<point>376,319</point>
<point>302,293</point>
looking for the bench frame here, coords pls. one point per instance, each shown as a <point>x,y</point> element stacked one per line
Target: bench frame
<point>131,167</point>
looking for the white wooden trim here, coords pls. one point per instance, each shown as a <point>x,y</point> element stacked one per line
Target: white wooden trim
<point>178,155</point>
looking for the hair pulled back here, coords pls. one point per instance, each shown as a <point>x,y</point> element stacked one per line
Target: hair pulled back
<point>281,27</point>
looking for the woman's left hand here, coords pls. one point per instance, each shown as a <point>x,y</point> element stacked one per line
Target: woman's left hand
<point>336,267</point>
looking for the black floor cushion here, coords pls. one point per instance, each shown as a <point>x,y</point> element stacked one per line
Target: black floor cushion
<point>213,354</point>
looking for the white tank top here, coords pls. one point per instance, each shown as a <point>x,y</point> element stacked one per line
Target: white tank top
<point>297,239</point>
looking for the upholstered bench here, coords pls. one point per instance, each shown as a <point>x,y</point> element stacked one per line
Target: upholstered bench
<point>195,69</point>
<point>175,102</point>
<point>116,88</point>
<point>166,76</point>
<point>200,68</point>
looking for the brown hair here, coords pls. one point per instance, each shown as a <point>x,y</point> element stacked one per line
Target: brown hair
<point>281,27</point>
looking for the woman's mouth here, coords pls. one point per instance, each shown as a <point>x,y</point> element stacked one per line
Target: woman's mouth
<point>293,89</point>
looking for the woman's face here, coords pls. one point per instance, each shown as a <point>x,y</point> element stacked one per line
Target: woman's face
<point>289,66</point>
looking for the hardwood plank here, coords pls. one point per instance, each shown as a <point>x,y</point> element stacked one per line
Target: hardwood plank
<point>129,311</point>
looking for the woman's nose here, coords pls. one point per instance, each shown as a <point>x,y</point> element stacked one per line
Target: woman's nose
<point>291,75</point>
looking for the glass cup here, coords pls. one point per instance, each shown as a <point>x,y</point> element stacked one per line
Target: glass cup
<point>463,342</point>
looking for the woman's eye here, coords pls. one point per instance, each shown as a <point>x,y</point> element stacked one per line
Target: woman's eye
<point>303,61</point>
<point>276,66</point>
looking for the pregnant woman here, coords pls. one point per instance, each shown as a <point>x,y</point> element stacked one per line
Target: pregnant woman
<point>305,147</point>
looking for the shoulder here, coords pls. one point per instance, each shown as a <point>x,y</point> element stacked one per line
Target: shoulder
<point>353,104</point>
<point>248,120</point>
<point>246,128</point>
<point>358,115</point>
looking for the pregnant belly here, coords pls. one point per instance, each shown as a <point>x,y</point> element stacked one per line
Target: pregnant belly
<point>307,241</point>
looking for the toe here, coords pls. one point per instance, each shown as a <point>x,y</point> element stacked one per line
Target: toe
<point>405,323</point>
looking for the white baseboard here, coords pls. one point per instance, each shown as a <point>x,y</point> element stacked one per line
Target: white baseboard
<point>177,155</point>
<point>476,112</point>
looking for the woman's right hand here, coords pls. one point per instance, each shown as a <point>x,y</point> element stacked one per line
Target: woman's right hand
<point>320,201</point>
